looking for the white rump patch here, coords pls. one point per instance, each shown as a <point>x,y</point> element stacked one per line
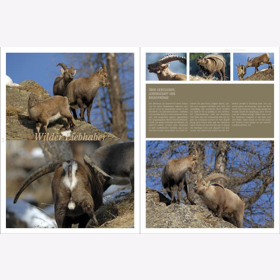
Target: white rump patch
<point>55,117</point>
<point>70,182</point>
<point>71,205</point>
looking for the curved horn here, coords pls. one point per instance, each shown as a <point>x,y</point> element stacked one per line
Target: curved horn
<point>172,57</point>
<point>72,67</point>
<point>90,162</point>
<point>215,176</point>
<point>34,176</point>
<point>62,65</point>
<point>104,66</point>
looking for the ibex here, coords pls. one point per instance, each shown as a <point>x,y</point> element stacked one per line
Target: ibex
<point>219,199</point>
<point>82,91</point>
<point>76,190</point>
<point>173,176</point>
<point>62,81</point>
<point>213,63</point>
<point>48,110</point>
<point>162,69</point>
<point>116,160</point>
<point>241,71</point>
<point>259,60</point>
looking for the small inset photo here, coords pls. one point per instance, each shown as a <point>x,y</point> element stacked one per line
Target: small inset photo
<point>166,67</point>
<point>253,66</point>
<point>209,66</point>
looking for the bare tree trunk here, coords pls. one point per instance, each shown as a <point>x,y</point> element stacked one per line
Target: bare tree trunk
<point>119,126</point>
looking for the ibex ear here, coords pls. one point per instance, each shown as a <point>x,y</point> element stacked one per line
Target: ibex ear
<point>164,66</point>
<point>75,71</point>
<point>62,71</point>
<point>100,70</point>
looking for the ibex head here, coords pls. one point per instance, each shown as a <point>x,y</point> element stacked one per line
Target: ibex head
<point>103,76</point>
<point>202,184</point>
<point>67,73</point>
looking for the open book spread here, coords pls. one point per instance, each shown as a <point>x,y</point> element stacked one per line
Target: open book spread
<point>149,140</point>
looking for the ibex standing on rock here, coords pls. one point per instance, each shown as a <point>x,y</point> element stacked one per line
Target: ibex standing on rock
<point>76,189</point>
<point>49,110</point>
<point>82,91</point>
<point>241,71</point>
<point>62,81</point>
<point>162,69</point>
<point>219,199</point>
<point>213,63</point>
<point>259,60</point>
<point>173,176</point>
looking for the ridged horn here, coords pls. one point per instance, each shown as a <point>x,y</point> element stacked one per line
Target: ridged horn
<point>91,163</point>
<point>172,57</point>
<point>104,66</point>
<point>34,176</point>
<point>215,176</point>
<point>62,65</point>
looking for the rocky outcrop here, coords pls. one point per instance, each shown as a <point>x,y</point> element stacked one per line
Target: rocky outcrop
<point>20,127</point>
<point>263,75</point>
<point>161,214</point>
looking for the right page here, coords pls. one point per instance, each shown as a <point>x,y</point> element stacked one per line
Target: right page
<point>210,140</point>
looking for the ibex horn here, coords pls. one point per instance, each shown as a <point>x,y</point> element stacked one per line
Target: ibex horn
<point>62,65</point>
<point>34,176</point>
<point>104,66</point>
<point>90,162</point>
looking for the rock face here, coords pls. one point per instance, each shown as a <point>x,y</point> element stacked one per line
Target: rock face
<point>162,214</point>
<point>21,127</point>
<point>264,75</point>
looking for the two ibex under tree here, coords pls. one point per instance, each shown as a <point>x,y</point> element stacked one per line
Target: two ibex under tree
<point>173,176</point>
<point>162,69</point>
<point>62,81</point>
<point>219,199</point>
<point>259,60</point>
<point>213,63</point>
<point>82,91</point>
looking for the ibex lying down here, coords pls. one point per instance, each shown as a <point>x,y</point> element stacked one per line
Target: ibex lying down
<point>219,199</point>
<point>259,60</point>
<point>213,63</point>
<point>49,110</point>
<point>173,176</point>
<point>82,91</point>
<point>76,190</point>
<point>241,71</point>
<point>162,69</point>
<point>117,160</point>
<point>62,81</point>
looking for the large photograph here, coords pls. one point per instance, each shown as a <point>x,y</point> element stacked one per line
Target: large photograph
<point>68,96</point>
<point>209,184</point>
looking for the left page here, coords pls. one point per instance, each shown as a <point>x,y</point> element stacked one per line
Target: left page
<point>68,130</point>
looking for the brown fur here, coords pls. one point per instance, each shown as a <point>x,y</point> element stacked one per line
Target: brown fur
<point>62,81</point>
<point>213,63</point>
<point>43,112</point>
<point>259,60</point>
<point>82,91</point>
<point>85,196</point>
<point>241,71</point>
<point>173,176</point>
<point>219,199</point>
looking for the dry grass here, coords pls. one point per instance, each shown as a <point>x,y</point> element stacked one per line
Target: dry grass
<point>12,111</point>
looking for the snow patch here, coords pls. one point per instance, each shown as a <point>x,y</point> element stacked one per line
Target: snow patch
<point>31,215</point>
<point>66,133</point>
<point>9,82</point>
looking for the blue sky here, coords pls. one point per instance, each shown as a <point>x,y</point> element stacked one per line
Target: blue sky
<point>39,67</point>
<point>175,66</point>
<point>242,59</point>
